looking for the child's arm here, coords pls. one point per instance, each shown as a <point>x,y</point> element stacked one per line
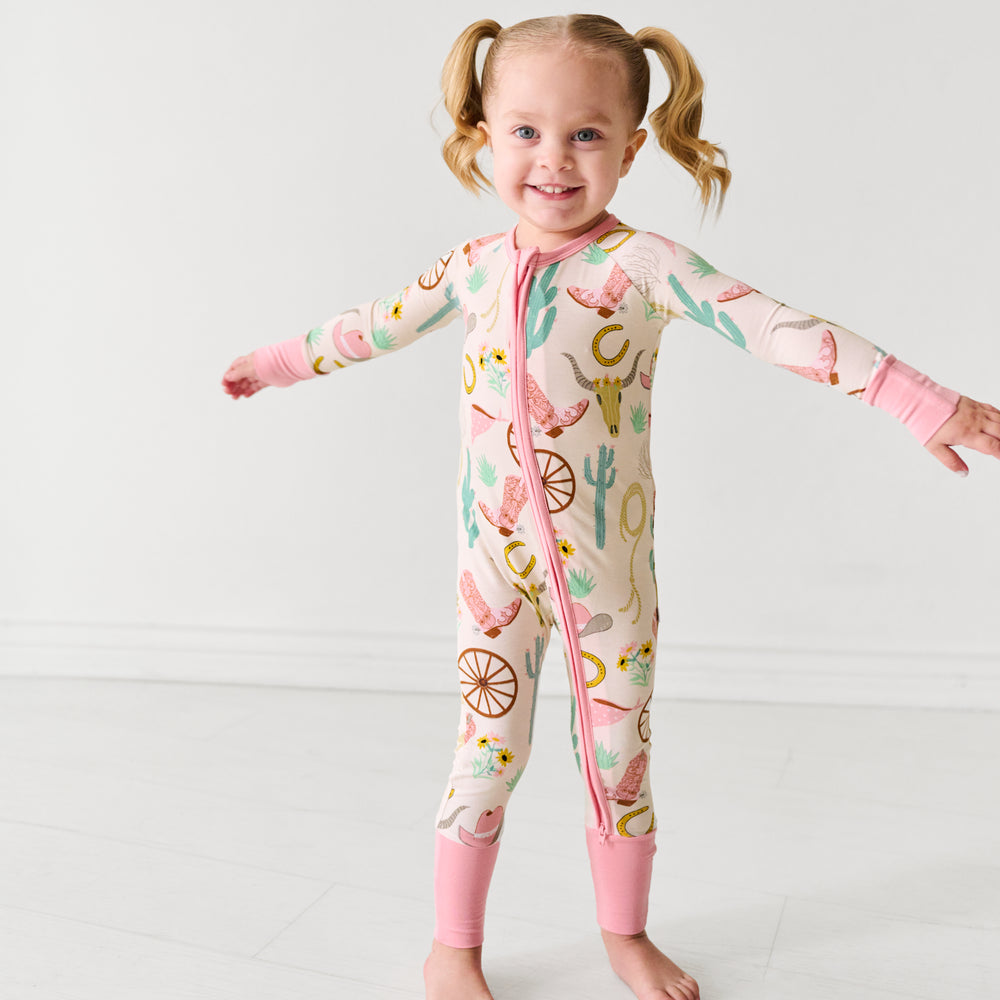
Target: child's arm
<point>689,287</point>
<point>366,332</point>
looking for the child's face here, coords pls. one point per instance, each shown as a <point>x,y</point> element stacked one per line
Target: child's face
<point>560,129</point>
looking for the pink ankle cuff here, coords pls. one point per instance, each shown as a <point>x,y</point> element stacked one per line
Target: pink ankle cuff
<point>622,868</point>
<point>283,364</point>
<point>461,881</point>
<point>920,403</point>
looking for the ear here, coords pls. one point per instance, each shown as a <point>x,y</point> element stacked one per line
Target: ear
<point>633,147</point>
<point>485,129</point>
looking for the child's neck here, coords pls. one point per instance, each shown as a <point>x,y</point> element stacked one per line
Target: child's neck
<point>527,236</point>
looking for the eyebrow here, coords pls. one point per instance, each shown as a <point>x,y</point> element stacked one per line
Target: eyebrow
<point>596,117</point>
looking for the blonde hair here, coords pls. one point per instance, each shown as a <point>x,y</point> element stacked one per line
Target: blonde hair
<point>676,123</point>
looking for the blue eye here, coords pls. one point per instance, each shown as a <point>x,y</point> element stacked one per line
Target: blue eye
<point>525,132</point>
<point>586,135</point>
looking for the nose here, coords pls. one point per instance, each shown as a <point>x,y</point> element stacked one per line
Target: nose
<point>555,154</point>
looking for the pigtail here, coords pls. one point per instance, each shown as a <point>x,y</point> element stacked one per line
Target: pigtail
<point>677,121</point>
<point>463,98</point>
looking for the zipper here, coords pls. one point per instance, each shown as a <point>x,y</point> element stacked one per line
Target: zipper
<point>524,267</point>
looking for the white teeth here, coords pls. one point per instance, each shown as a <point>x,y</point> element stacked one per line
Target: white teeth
<point>551,189</point>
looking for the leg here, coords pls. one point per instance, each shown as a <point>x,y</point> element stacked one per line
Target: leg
<point>454,968</point>
<point>622,862</point>
<point>622,869</point>
<point>501,646</point>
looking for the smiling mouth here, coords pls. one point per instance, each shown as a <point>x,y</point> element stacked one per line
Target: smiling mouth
<point>553,188</point>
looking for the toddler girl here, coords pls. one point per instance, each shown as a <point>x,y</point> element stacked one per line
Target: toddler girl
<point>562,317</point>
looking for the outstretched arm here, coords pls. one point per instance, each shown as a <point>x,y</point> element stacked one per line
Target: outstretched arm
<point>367,331</point>
<point>938,417</point>
<point>972,425</point>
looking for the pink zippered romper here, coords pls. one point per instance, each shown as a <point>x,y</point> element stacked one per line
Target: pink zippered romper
<point>556,512</point>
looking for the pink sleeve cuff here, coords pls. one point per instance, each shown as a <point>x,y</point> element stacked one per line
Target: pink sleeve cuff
<point>920,403</point>
<point>283,364</point>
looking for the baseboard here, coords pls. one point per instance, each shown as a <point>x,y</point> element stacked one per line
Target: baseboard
<point>395,662</point>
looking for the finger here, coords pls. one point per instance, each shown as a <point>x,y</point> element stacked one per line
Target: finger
<point>949,459</point>
<point>987,411</point>
<point>986,443</point>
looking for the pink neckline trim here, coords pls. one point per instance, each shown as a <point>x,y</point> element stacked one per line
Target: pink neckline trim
<point>567,249</point>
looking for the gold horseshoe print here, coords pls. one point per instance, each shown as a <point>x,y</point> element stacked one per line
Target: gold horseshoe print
<point>623,526</point>
<point>521,573</point>
<point>318,370</point>
<point>622,826</point>
<point>623,231</point>
<point>601,669</point>
<point>608,362</point>
<point>472,365</point>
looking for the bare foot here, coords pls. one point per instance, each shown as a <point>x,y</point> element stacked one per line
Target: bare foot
<point>646,970</point>
<point>455,974</point>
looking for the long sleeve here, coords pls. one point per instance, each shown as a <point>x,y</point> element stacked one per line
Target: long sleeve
<point>772,331</point>
<point>677,283</point>
<point>366,331</point>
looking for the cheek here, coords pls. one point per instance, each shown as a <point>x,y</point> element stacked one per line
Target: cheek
<point>509,164</point>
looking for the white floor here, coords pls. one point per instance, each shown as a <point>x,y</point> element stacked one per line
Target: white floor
<point>208,842</point>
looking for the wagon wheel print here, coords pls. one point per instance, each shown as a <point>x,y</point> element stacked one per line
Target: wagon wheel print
<point>488,682</point>
<point>512,444</point>
<point>643,723</point>
<point>558,479</point>
<point>432,277</point>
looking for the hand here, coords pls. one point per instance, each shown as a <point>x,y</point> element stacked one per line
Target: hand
<point>972,425</point>
<point>241,378</point>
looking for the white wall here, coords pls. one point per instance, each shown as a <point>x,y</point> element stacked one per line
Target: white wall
<point>182,182</point>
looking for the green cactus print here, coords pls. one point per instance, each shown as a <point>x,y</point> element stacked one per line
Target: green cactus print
<point>468,500</point>
<point>313,336</point>
<point>512,784</point>
<point>572,732</point>
<point>486,471</point>
<point>594,254</point>
<point>602,483</point>
<point>705,315</point>
<point>605,758</point>
<point>452,303</point>
<point>540,297</point>
<point>477,279</point>
<point>533,672</point>
<point>382,339</point>
<point>701,266</point>
<point>581,583</point>
<point>639,418</point>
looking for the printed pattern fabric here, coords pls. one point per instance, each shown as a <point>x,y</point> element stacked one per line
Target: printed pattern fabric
<point>591,324</point>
